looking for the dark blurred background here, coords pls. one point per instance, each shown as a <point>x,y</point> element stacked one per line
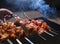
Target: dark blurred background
<point>54,3</point>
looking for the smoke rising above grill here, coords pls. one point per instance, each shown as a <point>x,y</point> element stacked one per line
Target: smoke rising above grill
<point>39,5</point>
<point>44,8</point>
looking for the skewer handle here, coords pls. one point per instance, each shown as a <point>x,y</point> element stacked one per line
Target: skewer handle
<point>9,41</point>
<point>53,32</point>
<point>18,41</point>
<point>49,33</point>
<point>42,37</point>
<point>5,20</point>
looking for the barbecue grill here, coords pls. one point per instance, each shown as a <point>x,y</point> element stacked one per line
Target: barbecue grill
<point>36,39</point>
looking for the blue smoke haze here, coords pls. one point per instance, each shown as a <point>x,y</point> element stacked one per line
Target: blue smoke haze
<point>39,5</point>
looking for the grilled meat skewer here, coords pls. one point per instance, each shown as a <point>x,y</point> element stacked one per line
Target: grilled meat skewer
<point>7,14</point>
<point>34,25</point>
<point>50,29</point>
<point>14,32</point>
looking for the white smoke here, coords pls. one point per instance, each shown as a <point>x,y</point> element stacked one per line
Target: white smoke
<point>44,8</point>
<point>38,5</point>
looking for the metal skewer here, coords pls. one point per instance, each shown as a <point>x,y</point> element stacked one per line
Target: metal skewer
<point>15,16</point>
<point>19,41</point>
<point>49,33</point>
<point>9,41</point>
<point>26,15</point>
<point>28,40</point>
<point>4,20</point>
<point>52,31</point>
<point>42,37</point>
